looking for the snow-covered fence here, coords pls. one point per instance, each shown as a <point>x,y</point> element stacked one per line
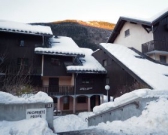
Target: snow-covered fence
<point>38,106</point>
<point>121,112</point>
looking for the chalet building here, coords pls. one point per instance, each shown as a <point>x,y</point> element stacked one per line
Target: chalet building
<point>71,75</point>
<point>17,43</point>
<point>56,65</point>
<point>147,36</point>
<point>129,70</point>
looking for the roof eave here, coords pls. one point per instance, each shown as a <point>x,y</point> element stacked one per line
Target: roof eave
<point>29,33</point>
<point>120,23</point>
<point>59,54</point>
<point>89,72</point>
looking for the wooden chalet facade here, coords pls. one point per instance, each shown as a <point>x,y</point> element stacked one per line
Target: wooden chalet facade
<point>119,77</point>
<point>129,70</point>
<point>72,90</point>
<point>147,36</point>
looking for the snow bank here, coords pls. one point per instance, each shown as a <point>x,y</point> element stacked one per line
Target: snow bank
<point>103,107</point>
<point>154,120</point>
<point>25,127</point>
<point>140,93</point>
<point>7,98</point>
<point>72,122</point>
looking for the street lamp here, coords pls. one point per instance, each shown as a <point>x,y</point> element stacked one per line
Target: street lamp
<point>107,87</point>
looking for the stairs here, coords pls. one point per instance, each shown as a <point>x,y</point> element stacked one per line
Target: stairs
<point>124,111</point>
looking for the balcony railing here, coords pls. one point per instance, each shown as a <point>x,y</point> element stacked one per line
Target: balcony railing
<point>154,45</point>
<point>58,90</point>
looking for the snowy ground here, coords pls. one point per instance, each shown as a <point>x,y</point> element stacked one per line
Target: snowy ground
<point>36,126</point>
<point>152,121</point>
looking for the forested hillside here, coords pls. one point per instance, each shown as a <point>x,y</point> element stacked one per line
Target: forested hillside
<point>85,34</point>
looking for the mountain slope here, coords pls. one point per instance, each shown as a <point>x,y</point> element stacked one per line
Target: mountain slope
<point>85,34</point>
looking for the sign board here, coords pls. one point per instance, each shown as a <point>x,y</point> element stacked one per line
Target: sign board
<point>88,88</point>
<point>36,113</point>
<point>48,105</point>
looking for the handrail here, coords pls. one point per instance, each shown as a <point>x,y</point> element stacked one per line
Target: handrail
<point>154,45</point>
<point>58,90</point>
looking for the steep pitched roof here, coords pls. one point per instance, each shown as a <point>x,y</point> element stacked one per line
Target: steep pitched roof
<point>153,74</point>
<point>145,22</point>
<point>89,64</point>
<point>60,45</point>
<point>15,27</point>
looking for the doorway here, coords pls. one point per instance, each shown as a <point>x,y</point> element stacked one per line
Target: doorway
<point>53,85</point>
<point>66,103</point>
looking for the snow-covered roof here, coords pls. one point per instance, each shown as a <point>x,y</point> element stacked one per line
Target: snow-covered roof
<point>7,98</point>
<point>89,64</point>
<point>157,16</point>
<point>142,21</point>
<point>155,75</point>
<point>17,27</point>
<point>61,46</point>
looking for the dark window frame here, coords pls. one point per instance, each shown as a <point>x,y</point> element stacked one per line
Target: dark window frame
<point>107,80</point>
<point>55,62</point>
<point>127,32</point>
<point>23,61</point>
<point>87,81</point>
<point>105,63</point>
<point>22,43</point>
<point>82,99</point>
<point>163,58</point>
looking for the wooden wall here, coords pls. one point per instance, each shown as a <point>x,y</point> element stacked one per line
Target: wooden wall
<point>55,70</point>
<point>95,85</point>
<point>11,49</point>
<point>120,81</point>
<point>160,31</point>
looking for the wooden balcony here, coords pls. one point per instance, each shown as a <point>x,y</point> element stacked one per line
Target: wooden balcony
<point>58,90</point>
<point>154,45</point>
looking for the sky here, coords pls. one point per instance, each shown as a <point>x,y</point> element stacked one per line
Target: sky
<point>87,10</point>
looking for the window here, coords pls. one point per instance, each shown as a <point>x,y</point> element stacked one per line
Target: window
<point>22,43</point>
<point>87,81</point>
<point>104,63</point>
<point>127,33</point>
<point>66,100</point>
<point>107,80</point>
<point>23,61</point>
<point>55,62</point>
<point>162,58</point>
<point>81,99</point>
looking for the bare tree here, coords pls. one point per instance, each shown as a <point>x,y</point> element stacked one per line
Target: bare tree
<point>17,77</point>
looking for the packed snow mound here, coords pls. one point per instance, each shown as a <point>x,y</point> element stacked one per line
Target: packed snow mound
<point>7,98</point>
<point>154,120</point>
<point>103,107</point>
<point>35,126</point>
<point>140,93</point>
<point>71,122</point>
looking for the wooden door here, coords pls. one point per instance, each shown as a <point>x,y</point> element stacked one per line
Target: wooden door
<point>53,84</point>
<point>66,103</point>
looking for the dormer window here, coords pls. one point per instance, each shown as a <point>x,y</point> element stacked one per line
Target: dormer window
<point>55,62</point>
<point>163,58</point>
<point>22,43</point>
<point>127,32</point>
<point>104,63</point>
